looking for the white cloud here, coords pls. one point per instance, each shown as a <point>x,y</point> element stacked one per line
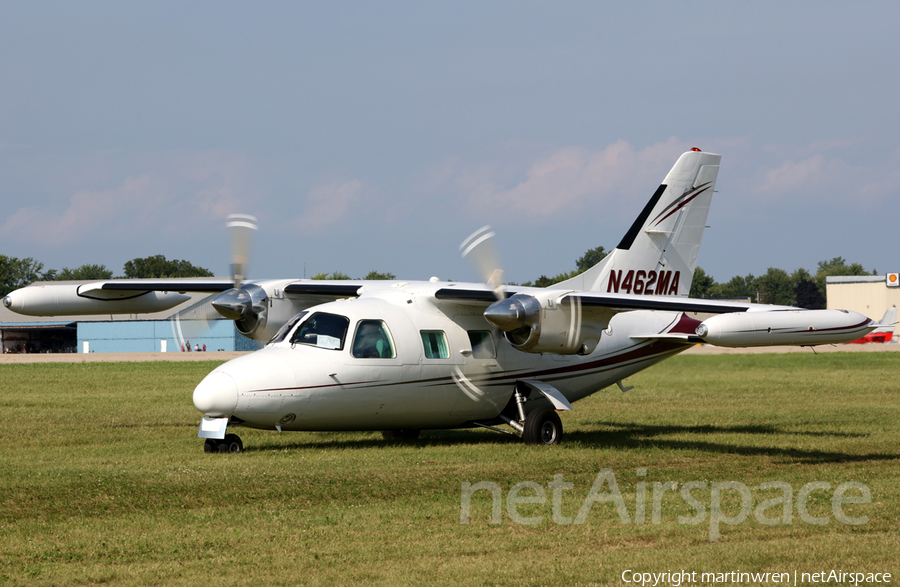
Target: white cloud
<point>331,203</point>
<point>571,178</point>
<point>818,180</point>
<point>793,175</point>
<point>89,213</point>
<point>173,193</point>
<point>213,183</point>
<point>876,190</point>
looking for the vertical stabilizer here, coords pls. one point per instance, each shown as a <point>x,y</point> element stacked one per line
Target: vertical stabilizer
<point>658,254</point>
<point>888,322</point>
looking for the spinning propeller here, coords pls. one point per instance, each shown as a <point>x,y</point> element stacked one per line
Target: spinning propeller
<point>242,228</point>
<point>245,304</point>
<point>479,249</point>
<point>522,317</point>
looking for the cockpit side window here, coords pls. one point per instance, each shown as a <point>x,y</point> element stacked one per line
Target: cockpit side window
<point>482,344</point>
<point>373,341</point>
<point>435,344</point>
<point>323,330</point>
<point>288,326</point>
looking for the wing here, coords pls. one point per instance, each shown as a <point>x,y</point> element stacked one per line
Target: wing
<point>139,296</point>
<point>571,322</point>
<point>258,307</point>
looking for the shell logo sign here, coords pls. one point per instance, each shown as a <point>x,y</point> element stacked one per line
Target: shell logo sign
<point>893,279</point>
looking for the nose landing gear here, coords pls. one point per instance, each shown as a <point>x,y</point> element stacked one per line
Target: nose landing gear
<point>231,443</point>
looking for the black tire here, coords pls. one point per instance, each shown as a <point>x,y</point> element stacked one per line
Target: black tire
<point>400,434</point>
<point>542,426</point>
<point>210,445</point>
<point>233,444</point>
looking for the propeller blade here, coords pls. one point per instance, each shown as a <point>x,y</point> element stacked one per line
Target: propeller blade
<point>480,250</point>
<point>242,228</point>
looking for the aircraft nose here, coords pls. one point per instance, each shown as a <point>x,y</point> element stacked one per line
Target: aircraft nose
<point>217,395</point>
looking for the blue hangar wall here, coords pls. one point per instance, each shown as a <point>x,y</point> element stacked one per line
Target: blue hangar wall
<point>147,336</point>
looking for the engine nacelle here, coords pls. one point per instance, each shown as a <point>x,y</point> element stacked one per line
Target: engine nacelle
<point>784,327</point>
<point>258,309</point>
<point>541,323</point>
<point>247,306</point>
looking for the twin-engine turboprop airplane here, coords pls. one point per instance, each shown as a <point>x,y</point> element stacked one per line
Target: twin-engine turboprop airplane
<point>406,356</point>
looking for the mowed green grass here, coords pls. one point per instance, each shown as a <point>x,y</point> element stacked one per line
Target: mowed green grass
<point>104,481</point>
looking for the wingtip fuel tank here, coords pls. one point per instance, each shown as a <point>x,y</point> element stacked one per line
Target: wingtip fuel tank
<point>784,327</point>
<point>76,300</point>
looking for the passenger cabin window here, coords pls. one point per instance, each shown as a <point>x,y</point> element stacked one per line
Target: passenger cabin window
<point>373,341</point>
<point>326,331</point>
<point>482,344</point>
<point>288,326</point>
<point>435,343</point>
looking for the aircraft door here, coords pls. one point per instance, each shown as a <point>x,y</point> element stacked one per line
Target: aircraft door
<point>479,393</point>
<point>439,358</point>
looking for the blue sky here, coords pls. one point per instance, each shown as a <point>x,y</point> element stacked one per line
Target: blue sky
<point>378,135</point>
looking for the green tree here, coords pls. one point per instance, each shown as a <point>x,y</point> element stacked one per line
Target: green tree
<point>544,281</point>
<point>590,258</point>
<point>736,287</point>
<point>336,276</point>
<point>808,295</point>
<point>775,287</point>
<point>83,273</point>
<point>702,284</point>
<point>835,267</point>
<point>16,273</point>
<point>372,275</point>
<point>159,266</point>
<point>800,274</point>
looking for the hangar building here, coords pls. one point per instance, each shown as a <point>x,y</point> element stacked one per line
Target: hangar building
<point>870,295</point>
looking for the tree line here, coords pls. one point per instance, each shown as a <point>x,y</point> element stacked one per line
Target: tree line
<point>16,273</point>
<point>370,276</point>
<point>801,288</point>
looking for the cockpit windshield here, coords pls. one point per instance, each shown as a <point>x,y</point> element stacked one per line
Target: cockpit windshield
<point>323,330</point>
<point>288,326</point>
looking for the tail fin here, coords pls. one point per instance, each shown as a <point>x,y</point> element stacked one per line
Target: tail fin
<point>887,322</point>
<point>658,254</point>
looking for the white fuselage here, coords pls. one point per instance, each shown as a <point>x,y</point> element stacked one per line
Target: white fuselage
<point>304,386</point>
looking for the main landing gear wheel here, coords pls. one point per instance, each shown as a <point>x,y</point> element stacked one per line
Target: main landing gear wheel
<point>231,443</point>
<point>400,434</point>
<point>542,426</point>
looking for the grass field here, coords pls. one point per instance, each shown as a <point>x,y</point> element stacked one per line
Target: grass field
<point>104,481</point>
